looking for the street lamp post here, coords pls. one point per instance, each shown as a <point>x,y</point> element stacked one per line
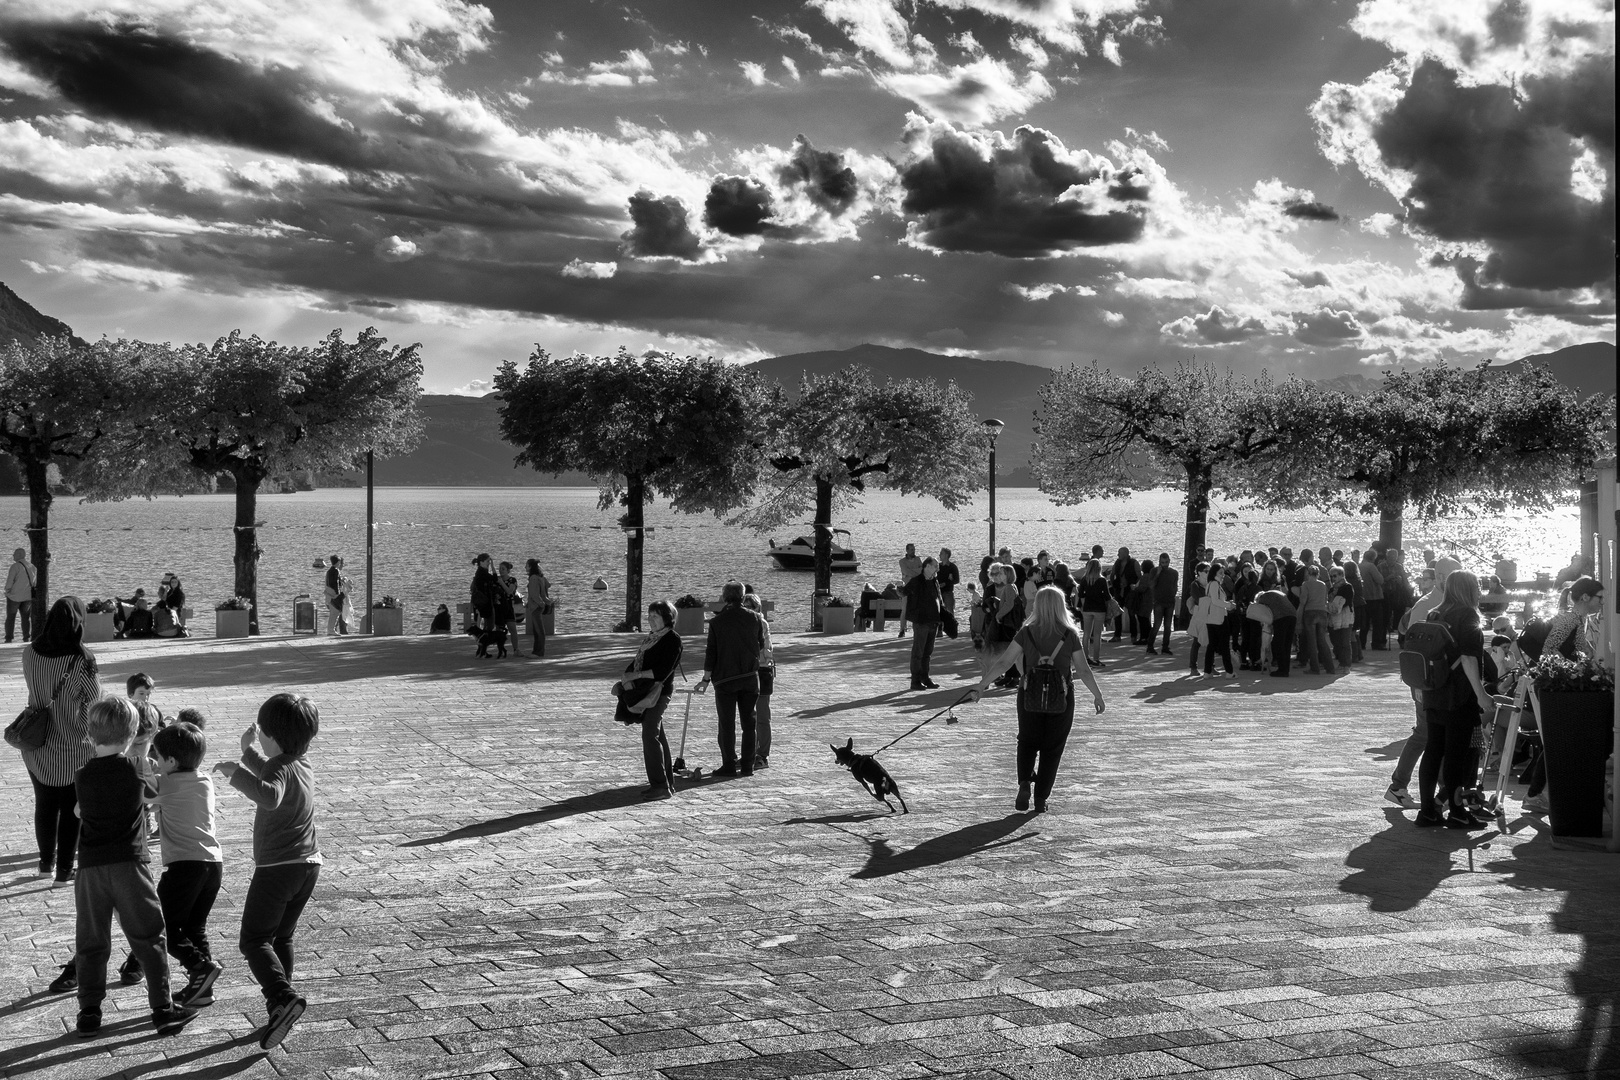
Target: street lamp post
<point>992,428</point>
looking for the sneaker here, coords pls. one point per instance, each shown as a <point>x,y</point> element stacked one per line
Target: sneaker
<point>282,1019</point>
<point>655,795</point>
<point>748,771</point>
<point>199,989</point>
<point>1022,802</point>
<point>1040,807</point>
<point>724,770</point>
<point>67,980</point>
<point>1428,819</point>
<point>129,972</point>
<point>1399,797</point>
<point>1152,651</point>
<point>64,879</point>
<point>169,1021</point>
<point>47,867</point>
<point>930,683</point>
<point>1536,805</point>
<point>89,1022</point>
<point>762,763</point>
<point>1459,820</point>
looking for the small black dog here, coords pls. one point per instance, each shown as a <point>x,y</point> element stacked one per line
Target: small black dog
<point>873,777</point>
<point>495,637</point>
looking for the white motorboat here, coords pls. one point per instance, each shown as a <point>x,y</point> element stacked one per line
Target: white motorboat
<point>801,554</point>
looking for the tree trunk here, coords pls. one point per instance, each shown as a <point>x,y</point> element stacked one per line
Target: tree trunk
<point>1390,509</point>
<point>248,478</point>
<point>1199,481</point>
<point>823,535</point>
<point>635,492</point>
<point>39,551</point>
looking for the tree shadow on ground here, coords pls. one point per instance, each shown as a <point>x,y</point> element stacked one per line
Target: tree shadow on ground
<point>1387,752</point>
<point>1397,869</point>
<point>129,1036</point>
<point>610,799</point>
<point>1591,909</point>
<point>883,861</point>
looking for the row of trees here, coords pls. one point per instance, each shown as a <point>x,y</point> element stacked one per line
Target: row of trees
<point>130,418</point>
<point>717,438</point>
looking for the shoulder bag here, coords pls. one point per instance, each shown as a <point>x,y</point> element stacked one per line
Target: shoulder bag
<point>33,724</point>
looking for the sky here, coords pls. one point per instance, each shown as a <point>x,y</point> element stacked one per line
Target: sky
<point>1321,187</point>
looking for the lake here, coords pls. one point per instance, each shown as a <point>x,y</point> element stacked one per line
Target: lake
<point>426,539</point>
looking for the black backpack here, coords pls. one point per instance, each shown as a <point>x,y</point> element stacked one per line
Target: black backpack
<point>1428,657</point>
<point>1533,640</point>
<point>1045,688</point>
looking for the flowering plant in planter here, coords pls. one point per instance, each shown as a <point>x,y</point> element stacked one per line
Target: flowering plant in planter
<point>234,603</point>
<point>837,601</point>
<point>688,601</point>
<point>101,607</point>
<point>1556,674</point>
<point>387,602</point>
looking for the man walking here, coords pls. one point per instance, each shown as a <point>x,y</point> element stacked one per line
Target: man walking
<point>20,595</point>
<point>731,663</point>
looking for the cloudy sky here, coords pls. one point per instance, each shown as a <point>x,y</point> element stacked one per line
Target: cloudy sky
<point>1319,186</point>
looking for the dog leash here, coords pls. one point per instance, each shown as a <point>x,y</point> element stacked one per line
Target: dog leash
<point>919,727</point>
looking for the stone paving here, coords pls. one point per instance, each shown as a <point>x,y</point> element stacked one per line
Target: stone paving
<point>1217,891</point>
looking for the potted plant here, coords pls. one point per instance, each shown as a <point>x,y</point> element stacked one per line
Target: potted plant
<point>387,617</point>
<point>838,616</point>
<point>98,620</point>
<point>689,616</point>
<point>1576,698</point>
<point>231,617</point>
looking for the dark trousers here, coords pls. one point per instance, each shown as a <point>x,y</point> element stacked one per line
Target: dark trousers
<point>1217,637</point>
<point>126,888</point>
<point>1163,616</point>
<point>732,705</point>
<point>1375,626</point>
<point>1041,738</point>
<point>1445,758</point>
<point>56,826</point>
<point>922,648</point>
<point>1282,644</point>
<point>26,607</point>
<point>275,898</point>
<point>1253,632</point>
<point>655,747</point>
<point>187,891</point>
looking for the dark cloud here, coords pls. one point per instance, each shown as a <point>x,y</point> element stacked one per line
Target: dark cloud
<point>1310,210</point>
<point>139,77</point>
<point>1310,279</point>
<point>1008,202</point>
<point>828,182</point>
<point>1560,302</point>
<point>659,229</point>
<point>1493,164</point>
<point>737,206</point>
<point>1507,22</point>
<point>1326,327</point>
<point>1130,186</point>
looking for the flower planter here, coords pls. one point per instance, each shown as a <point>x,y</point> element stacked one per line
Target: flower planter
<point>229,622</point>
<point>838,620</point>
<point>1577,735</point>
<point>387,622</point>
<point>689,621</point>
<point>98,626</point>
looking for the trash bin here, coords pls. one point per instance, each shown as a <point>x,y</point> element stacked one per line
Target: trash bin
<point>303,621</point>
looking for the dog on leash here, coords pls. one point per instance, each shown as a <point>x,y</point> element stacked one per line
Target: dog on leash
<point>873,776</point>
<point>495,637</point>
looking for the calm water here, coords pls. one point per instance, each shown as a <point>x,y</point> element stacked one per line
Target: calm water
<point>426,538</point>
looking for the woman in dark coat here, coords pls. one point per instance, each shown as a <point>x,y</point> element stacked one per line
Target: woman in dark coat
<point>644,692</point>
<point>58,664</point>
<point>485,586</point>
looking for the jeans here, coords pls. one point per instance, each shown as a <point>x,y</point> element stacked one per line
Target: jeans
<point>1253,634</point>
<point>762,728</point>
<point>1041,739</point>
<point>1446,756</point>
<point>275,898</point>
<point>1315,648</point>
<point>655,747</point>
<point>537,632</point>
<point>1217,636</point>
<point>1093,622</point>
<point>922,648</point>
<point>187,891</point>
<point>732,705</point>
<point>126,888</point>
<point>1343,640</point>
<point>26,607</point>
<point>1411,751</point>
<point>1164,615</point>
<point>1282,644</point>
<point>56,826</point>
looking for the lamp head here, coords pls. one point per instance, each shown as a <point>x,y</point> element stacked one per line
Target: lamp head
<point>992,427</point>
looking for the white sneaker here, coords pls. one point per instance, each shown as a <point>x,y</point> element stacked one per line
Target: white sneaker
<point>1537,805</point>
<point>1399,797</point>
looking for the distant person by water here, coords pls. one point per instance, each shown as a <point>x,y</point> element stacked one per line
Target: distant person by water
<point>337,599</point>
<point>20,595</point>
<point>484,588</point>
<point>535,605</point>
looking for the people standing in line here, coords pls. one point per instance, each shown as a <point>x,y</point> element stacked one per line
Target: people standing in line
<point>731,666</point>
<point>536,602</point>
<point>1401,776</point>
<point>1284,619</point>
<point>910,567</point>
<point>335,599</point>
<point>1165,580</point>
<point>644,691</point>
<point>20,579</point>
<point>1316,649</point>
<point>923,607</point>
<point>1216,607</point>
<point>1050,634</point>
<point>949,578</point>
<point>484,588</point>
<point>1093,598</point>
<point>1373,631</point>
<point>1454,711</point>
<point>61,673</point>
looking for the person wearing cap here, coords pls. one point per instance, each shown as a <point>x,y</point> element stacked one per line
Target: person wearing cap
<point>1585,600</point>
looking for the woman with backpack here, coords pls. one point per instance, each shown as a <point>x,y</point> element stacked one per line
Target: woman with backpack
<point>1049,648</point>
<point>1454,709</point>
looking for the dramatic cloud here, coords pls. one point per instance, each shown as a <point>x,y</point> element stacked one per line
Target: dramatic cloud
<point>1046,290</point>
<point>590,271</point>
<point>826,180</point>
<point>1027,196</point>
<point>397,249</point>
<point>659,229</point>
<point>737,206</point>
<point>1327,327</point>
<point>1310,210</point>
<point>1218,326</point>
<point>975,94</point>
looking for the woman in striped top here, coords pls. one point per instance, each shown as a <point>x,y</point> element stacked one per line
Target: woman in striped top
<point>59,658</point>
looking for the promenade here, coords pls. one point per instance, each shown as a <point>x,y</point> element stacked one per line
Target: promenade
<point>1217,891</point>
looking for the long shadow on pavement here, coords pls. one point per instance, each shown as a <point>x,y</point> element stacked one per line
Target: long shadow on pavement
<point>985,836</point>
<point>611,799</point>
<point>1397,869</point>
<point>133,1035</point>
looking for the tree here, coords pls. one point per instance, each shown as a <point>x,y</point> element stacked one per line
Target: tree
<point>58,401</point>
<point>1101,435</point>
<point>254,409</point>
<point>844,432</point>
<point>1437,440</point>
<point>684,429</point>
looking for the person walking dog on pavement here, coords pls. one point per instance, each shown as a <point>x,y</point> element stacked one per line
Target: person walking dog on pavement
<point>731,663</point>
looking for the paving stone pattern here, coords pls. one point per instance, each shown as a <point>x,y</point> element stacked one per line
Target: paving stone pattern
<point>1217,891</point>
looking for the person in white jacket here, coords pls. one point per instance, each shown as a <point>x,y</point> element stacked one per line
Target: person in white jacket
<point>1213,609</point>
<point>20,595</point>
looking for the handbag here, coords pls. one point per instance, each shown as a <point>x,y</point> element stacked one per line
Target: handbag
<point>767,680</point>
<point>1114,610</point>
<point>33,724</point>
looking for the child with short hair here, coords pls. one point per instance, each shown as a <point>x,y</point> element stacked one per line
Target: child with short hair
<point>139,687</point>
<point>193,717</point>
<point>193,865</point>
<point>286,858</point>
<point>115,872</point>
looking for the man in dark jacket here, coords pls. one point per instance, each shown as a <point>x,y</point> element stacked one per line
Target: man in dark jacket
<point>1122,578</point>
<point>1164,603</point>
<point>731,663</point>
<point>923,609</point>
<point>949,578</point>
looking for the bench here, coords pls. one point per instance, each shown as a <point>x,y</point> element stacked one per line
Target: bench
<point>886,609</point>
<point>719,605</point>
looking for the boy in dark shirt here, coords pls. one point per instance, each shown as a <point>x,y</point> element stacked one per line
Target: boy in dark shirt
<point>115,873</point>
<point>286,858</point>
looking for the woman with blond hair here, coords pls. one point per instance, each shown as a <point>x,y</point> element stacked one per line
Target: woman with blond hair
<point>1049,636</point>
<point>1455,710</point>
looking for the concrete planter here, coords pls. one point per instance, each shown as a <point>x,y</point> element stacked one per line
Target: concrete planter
<point>689,621</point>
<point>98,626</point>
<point>838,620</point>
<point>230,623</point>
<point>387,622</point>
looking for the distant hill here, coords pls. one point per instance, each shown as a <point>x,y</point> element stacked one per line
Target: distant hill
<point>1588,368</point>
<point>19,321</point>
<point>461,448</point>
